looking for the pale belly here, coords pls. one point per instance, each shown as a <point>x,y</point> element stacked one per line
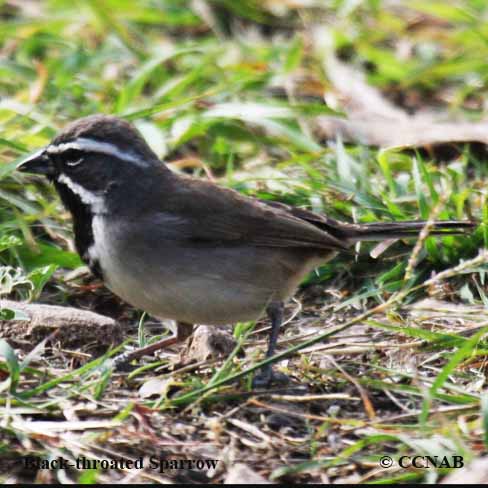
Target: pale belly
<point>199,284</point>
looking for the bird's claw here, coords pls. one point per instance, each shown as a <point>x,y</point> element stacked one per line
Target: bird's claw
<point>268,378</point>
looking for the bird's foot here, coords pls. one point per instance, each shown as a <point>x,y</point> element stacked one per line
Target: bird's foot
<point>121,363</point>
<point>270,377</point>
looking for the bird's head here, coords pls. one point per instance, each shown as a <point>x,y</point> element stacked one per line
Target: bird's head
<point>92,155</point>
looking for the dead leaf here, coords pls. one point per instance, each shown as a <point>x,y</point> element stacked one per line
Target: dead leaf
<point>414,132</point>
<point>373,120</point>
<point>244,475</point>
<point>51,427</point>
<point>37,88</point>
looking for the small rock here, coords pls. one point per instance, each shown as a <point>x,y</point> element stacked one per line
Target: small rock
<point>208,342</point>
<point>155,387</point>
<point>475,473</point>
<point>244,475</point>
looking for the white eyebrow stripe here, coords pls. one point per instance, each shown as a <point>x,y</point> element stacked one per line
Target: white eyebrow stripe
<point>90,145</point>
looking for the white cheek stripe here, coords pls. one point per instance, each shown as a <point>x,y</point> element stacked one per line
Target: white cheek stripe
<point>96,202</point>
<point>90,145</point>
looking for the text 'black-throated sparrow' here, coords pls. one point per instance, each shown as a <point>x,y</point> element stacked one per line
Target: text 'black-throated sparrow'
<point>186,249</point>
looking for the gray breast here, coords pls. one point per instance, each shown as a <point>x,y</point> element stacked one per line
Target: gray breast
<point>194,282</point>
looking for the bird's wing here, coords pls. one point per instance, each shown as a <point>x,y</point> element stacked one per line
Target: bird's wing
<point>327,224</point>
<point>202,211</point>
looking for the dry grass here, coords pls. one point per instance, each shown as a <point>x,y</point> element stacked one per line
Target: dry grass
<point>387,353</point>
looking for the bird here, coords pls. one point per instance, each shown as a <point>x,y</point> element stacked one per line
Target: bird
<point>184,248</point>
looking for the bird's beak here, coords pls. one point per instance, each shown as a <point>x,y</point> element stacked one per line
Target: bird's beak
<point>38,163</point>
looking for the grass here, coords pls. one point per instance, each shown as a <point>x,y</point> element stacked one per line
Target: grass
<point>231,90</point>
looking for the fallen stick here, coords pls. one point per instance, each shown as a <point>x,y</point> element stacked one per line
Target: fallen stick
<point>75,327</point>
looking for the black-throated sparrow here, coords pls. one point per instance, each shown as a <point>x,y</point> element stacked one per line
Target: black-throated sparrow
<point>186,249</point>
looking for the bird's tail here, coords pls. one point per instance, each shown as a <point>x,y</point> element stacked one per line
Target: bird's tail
<point>379,231</point>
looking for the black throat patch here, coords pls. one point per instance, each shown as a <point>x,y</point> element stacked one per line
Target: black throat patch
<point>82,226</point>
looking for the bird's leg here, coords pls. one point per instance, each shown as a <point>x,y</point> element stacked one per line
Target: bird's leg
<point>267,375</point>
<point>183,331</point>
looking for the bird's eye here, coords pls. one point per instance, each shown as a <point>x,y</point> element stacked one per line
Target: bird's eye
<point>73,157</point>
<point>74,163</point>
